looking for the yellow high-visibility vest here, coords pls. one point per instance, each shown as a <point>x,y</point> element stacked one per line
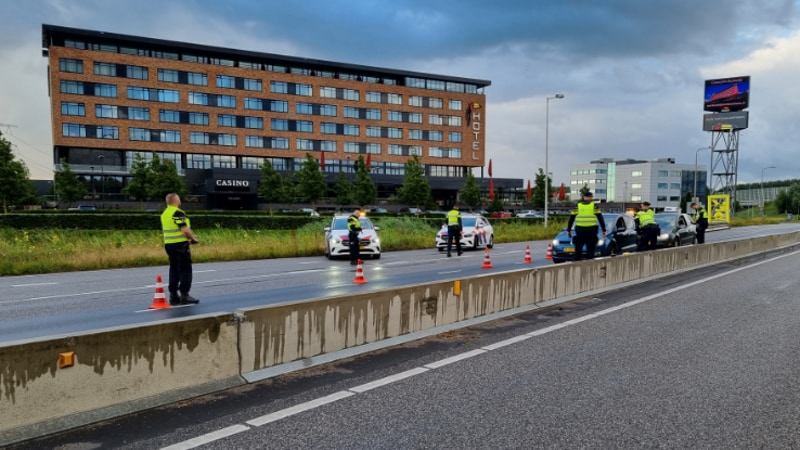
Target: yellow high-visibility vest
<point>586,215</point>
<point>453,216</point>
<point>171,227</point>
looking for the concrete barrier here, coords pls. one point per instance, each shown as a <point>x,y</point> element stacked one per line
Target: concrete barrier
<point>118,371</point>
<point>114,372</point>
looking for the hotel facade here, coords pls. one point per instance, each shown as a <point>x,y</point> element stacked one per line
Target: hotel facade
<point>219,113</point>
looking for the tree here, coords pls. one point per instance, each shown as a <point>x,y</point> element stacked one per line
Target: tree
<point>15,186</point>
<point>788,200</point>
<point>364,190</point>
<point>311,181</point>
<point>344,190</point>
<point>271,183</point>
<point>165,179</point>
<point>415,189</point>
<point>471,192</point>
<point>538,191</point>
<point>138,186</point>
<point>67,186</point>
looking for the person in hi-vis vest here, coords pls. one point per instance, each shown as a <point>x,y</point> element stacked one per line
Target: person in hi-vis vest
<point>178,237</point>
<point>454,226</point>
<point>648,227</point>
<point>586,218</point>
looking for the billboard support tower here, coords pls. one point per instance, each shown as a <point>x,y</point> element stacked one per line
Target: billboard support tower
<point>724,162</point>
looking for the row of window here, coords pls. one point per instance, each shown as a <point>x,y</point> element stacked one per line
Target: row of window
<point>421,83</point>
<point>633,186</point>
<point>634,173</point>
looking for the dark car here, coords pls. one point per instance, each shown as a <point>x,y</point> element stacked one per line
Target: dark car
<point>621,237</point>
<point>676,230</point>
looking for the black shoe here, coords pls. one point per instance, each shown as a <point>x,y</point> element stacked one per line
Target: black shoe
<point>449,255</point>
<point>187,299</point>
<point>174,299</point>
<point>459,253</point>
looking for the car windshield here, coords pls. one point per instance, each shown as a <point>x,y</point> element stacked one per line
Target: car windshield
<point>667,220</point>
<point>340,223</point>
<point>468,221</point>
<point>608,219</point>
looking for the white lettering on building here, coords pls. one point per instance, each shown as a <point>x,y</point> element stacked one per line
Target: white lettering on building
<point>476,132</point>
<point>233,183</point>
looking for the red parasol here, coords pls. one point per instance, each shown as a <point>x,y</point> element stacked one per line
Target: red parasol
<point>490,167</point>
<point>562,194</point>
<point>491,188</point>
<point>322,161</point>
<point>369,161</point>
<point>528,193</point>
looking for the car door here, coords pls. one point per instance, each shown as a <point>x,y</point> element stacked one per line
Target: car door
<point>627,238</point>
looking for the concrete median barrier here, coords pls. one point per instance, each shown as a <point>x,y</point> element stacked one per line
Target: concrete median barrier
<point>112,372</point>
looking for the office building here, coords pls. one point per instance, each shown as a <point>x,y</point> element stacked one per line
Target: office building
<point>219,113</point>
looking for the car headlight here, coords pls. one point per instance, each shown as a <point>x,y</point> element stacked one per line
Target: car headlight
<point>555,242</point>
<point>601,242</point>
<point>663,236</point>
<point>335,241</point>
<point>376,240</point>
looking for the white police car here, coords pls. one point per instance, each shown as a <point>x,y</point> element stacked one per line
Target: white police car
<point>476,232</point>
<point>337,239</point>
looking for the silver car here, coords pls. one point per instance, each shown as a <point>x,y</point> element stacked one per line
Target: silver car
<point>337,239</point>
<point>476,232</point>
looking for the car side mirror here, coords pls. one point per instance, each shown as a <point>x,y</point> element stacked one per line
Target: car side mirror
<point>377,228</point>
<point>326,229</point>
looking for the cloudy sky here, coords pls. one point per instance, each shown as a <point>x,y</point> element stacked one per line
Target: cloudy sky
<point>632,71</point>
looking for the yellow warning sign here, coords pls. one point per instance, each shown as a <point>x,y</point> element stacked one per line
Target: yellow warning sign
<point>720,205</point>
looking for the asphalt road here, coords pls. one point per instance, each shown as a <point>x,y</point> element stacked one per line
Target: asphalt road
<point>66,303</point>
<point>705,359</point>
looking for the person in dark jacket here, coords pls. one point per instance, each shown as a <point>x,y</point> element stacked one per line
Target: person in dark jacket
<point>700,219</point>
<point>353,230</point>
<point>647,226</point>
<point>586,218</point>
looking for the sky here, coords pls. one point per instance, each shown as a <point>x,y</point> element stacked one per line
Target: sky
<point>632,72</point>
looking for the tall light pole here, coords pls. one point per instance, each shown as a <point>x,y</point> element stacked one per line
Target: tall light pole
<point>92,184</point>
<point>624,196</point>
<point>762,188</point>
<point>547,154</point>
<point>694,194</point>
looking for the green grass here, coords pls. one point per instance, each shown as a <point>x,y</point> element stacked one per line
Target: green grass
<point>24,252</point>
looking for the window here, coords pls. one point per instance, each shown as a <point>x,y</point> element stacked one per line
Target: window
<point>350,94</point>
<point>434,119</point>
<point>374,132</point>
<point>352,130</point>
<point>636,173</point>
<point>198,138</point>
<point>280,124</point>
<point>70,65</point>
<point>136,72</point>
<point>138,113</point>
<point>198,98</point>
<point>454,121</point>
<point>227,82</point>
<point>327,110</point>
<point>279,106</point>
<point>663,173</point>
<point>305,126</point>
<point>254,141</point>
<point>373,97</point>
<point>350,112</point>
<point>304,89</point>
<point>71,87</point>
<point>278,87</point>
<point>395,149</point>
<point>415,150</point>
<point>73,109</point>
<point>226,101</point>
<point>252,85</point>
<point>661,198</point>
<point>107,132</point>
<point>328,128</point>
<point>197,79</point>
<point>106,111</point>
<point>373,114</point>
<point>394,133</point>
<point>253,103</point>
<point>227,140</point>
<point>674,185</point>
<point>435,103</point>
<point>225,120</point>
<point>328,146</point>
<point>172,136</point>
<point>198,118</point>
<point>415,117</point>
<point>454,105</point>
<point>105,90</point>
<point>636,186</point>
<point>415,100</point>
<point>254,122</point>
<point>194,161</point>
<point>304,108</point>
<point>138,134</point>
<point>280,143</point>
<point>454,136</point>
<point>169,116</point>
<point>305,144</point>
<point>395,116</point>
<point>167,75</point>
<point>73,130</point>
<point>373,148</point>
<point>106,69</point>
<point>327,92</point>
<point>662,185</point>
<point>394,99</point>
<point>435,136</point>
<point>168,96</point>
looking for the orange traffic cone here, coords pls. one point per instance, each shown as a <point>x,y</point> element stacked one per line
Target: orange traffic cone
<point>528,258</point>
<point>359,274</point>
<point>159,299</point>
<point>549,254</point>
<point>487,263</point>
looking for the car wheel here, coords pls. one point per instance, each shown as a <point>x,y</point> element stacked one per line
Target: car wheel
<point>441,249</point>
<point>676,242</point>
<point>328,253</point>
<point>378,256</point>
<point>490,244</point>
<point>612,250</point>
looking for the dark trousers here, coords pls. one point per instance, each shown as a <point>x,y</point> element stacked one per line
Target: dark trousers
<point>701,233</point>
<point>585,236</point>
<point>453,234</point>
<point>355,252</point>
<point>180,267</point>
<point>649,238</point>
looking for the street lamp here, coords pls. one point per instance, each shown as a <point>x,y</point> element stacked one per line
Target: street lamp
<point>547,153</point>
<point>102,177</point>
<point>762,188</point>
<point>697,152</point>
<point>624,196</point>
<point>92,183</point>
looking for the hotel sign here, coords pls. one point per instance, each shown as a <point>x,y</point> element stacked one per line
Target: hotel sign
<point>475,123</point>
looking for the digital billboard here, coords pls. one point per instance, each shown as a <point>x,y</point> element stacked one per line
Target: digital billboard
<point>727,121</point>
<point>727,94</point>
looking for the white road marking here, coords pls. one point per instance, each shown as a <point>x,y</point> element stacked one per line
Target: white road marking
<point>456,358</point>
<point>387,380</point>
<point>449,271</point>
<point>32,284</point>
<point>206,438</point>
<point>204,271</point>
<point>278,415</point>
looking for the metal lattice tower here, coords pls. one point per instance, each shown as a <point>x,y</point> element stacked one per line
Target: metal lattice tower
<point>724,162</point>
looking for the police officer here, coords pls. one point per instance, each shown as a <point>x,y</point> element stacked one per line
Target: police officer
<point>585,217</point>
<point>701,220</point>
<point>178,237</point>
<point>354,228</point>
<point>454,229</point>
<point>647,226</point>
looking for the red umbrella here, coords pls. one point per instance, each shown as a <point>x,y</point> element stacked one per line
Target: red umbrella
<point>322,161</point>
<point>491,188</point>
<point>528,193</point>
<point>562,194</point>
<point>369,160</point>
<point>490,167</point>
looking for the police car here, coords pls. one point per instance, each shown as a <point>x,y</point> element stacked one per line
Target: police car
<point>337,239</point>
<point>476,232</point>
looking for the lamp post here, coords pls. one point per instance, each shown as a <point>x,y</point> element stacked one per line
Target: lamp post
<point>547,153</point>
<point>102,177</point>
<point>624,196</point>
<point>697,152</point>
<point>92,183</point>
<point>762,188</point>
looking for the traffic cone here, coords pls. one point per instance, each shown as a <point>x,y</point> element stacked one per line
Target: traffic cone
<point>487,263</point>
<point>359,274</point>
<point>159,299</point>
<point>528,258</point>
<point>549,254</point>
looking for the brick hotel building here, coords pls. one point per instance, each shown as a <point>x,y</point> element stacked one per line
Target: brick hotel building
<point>218,113</point>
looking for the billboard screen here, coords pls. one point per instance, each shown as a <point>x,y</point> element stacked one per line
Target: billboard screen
<point>727,121</point>
<point>727,94</point>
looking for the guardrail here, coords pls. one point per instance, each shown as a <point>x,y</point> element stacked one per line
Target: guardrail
<point>56,383</point>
